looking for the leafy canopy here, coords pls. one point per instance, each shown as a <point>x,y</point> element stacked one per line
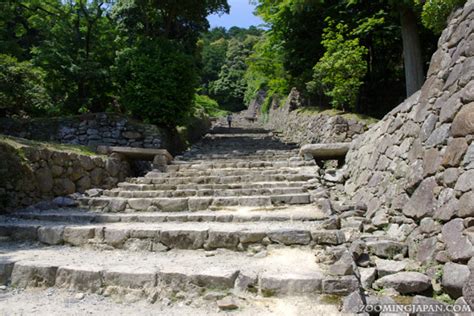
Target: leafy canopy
<point>340,72</point>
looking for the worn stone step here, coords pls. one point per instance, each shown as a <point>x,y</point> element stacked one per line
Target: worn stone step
<point>294,213</point>
<point>222,180</point>
<point>117,204</point>
<point>243,157</point>
<point>242,165</point>
<point>127,186</point>
<point>202,192</point>
<point>227,172</point>
<point>145,275</point>
<point>158,237</point>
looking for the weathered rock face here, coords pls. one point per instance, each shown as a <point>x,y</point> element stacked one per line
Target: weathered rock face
<point>101,129</point>
<point>416,166</point>
<point>42,174</point>
<point>306,128</point>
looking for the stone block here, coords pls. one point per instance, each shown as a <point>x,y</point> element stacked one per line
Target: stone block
<point>404,282</point>
<point>51,235</point>
<point>454,277</point>
<point>328,237</point>
<point>78,236</point>
<point>290,284</point>
<point>222,239</point>
<point>83,278</point>
<point>290,237</point>
<point>130,277</point>
<point>184,239</point>
<point>33,274</point>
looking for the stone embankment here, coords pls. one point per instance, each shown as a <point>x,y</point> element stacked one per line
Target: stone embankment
<point>295,123</point>
<point>106,129</point>
<point>415,168</point>
<point>38,172</point>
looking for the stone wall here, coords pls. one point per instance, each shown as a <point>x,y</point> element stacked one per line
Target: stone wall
<point>415,168</point>
<point>305,128</point>
<point>102,129</point>
<point>29,174</point>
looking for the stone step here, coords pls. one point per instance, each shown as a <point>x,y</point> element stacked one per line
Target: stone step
<point>195,172</point>
<point>222,180</point>
<point>145,275</point>
<point>127,186</point>
<point>242,158</point>
<point>202,192</point>
<point>208,165</point>
<point>112,204</point>
<point>294,213</point>
<point>158,237</point>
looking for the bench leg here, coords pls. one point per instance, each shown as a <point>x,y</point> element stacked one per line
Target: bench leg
<point>341,162</point>
<point>160,162</point>
<point>320,163</point>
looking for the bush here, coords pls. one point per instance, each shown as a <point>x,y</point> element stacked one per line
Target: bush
<point>22,88</point>
<point>340,72</point>
<point>156,82</point>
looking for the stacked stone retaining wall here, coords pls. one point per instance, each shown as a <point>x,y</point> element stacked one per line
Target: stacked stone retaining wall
<point>30,174</point>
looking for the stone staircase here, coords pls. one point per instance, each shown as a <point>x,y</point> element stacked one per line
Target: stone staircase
<point>234,214</point>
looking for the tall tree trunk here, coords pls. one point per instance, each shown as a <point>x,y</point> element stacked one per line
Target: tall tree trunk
<point>414,75</point>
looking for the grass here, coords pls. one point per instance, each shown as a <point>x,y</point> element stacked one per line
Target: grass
<point>19,143</point>
<point>313,110</point>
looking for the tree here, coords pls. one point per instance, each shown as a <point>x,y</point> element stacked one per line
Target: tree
<point>157,73</point>
<point>73,41</point>
<point>300,41</point>
<point>339,73</point>
<point>77,54</point>
<point>213,58</point>
<point>266,71</point>
<point>156,81</point>
<point>22,88</point>
<point>229,88</point>
<point>181,21</point>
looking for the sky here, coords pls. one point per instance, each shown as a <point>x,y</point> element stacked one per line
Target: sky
<point>240,15</point>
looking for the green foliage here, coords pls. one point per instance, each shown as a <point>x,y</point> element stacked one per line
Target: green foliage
<point>22,88</point>
<point>156,81</point>
<point>266,70</point>
<point>296,30</point>
<point>213,58</point>
<point>181,21</point>
<point>77,55</point>
<point>339,73</point>
<point>229,88</point>
<point>208,105</point>
<point>435,13</point>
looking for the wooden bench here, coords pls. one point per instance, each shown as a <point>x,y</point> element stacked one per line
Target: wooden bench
<point>321,152</point>
<point>160,157</point>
